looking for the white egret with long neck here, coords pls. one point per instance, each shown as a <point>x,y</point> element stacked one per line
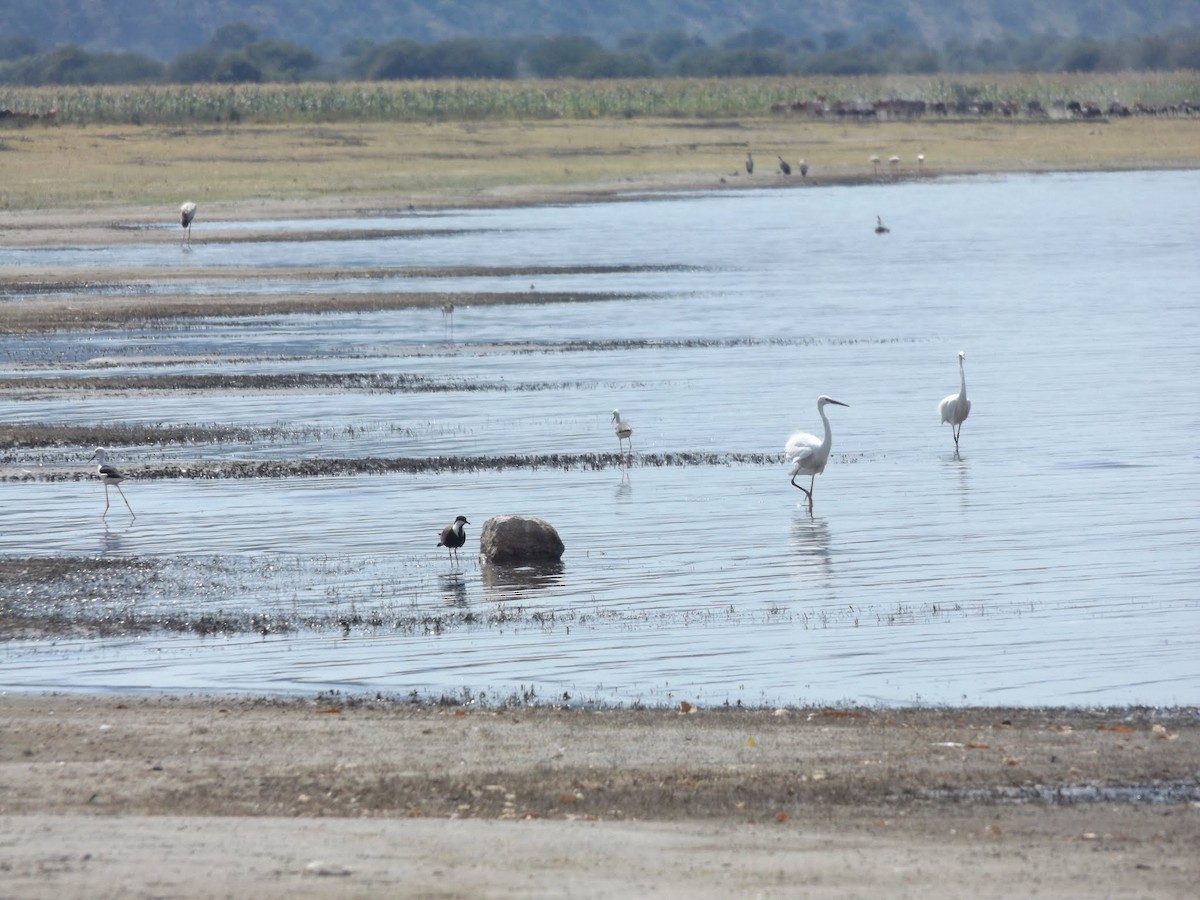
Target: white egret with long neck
<point>808,453</point>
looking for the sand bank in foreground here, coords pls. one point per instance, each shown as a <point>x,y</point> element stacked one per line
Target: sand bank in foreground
<point>155,796</point>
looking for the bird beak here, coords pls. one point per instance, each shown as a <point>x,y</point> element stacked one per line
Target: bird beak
<point>839,403</point>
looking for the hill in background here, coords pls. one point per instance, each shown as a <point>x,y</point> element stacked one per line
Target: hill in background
<point>162,29</point>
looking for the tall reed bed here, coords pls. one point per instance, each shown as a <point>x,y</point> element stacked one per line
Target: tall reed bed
<point>424,101</point>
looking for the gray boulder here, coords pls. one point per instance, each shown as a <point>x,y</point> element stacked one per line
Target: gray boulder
<point>517,540</point>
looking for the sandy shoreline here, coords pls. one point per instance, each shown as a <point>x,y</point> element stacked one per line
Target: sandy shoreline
<point>197,797</point>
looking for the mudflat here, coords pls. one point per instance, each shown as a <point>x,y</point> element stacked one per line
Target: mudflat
<point>106,796</point>
<point>167,796</point>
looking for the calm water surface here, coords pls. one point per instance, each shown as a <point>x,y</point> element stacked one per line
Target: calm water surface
<point>1054,562</point>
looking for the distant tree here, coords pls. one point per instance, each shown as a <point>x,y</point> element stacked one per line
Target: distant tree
<point>125,68</point>
<point>194,66</point>
<point>233,37</point>
<point>666,45</point>
<point>730,63</point>
<point>851,60</point>
<point>761,38</point>
<point>472,58</point>
<point>66,65</point>
<point>281,60</point>
<point>397,60</point>
<point>16,46</point>
<point>602,64</point>
<point>1085,55</point>
<point>356,57</point>
<point>1153,53</point>
<point>558,56</point>
<point>237,68</point>
<point>1186,54</point>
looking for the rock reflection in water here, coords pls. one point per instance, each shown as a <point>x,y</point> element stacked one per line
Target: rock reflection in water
<point>512,582</point>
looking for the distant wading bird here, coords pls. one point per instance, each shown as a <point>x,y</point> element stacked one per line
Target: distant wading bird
<point>623,430</point>
<point>784,167</point>
<point>955,408</point>
<point>452,537</point>
<point>807,454</point>
<point>880,228</point>
<point>187,212</point>
<point>803,168</point>
<point>749,164</point>
<point>109,474</point>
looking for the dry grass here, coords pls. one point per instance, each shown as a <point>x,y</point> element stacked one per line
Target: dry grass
<point>64,168</point>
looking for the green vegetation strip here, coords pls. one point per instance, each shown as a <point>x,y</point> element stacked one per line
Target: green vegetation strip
<point>448,100</point>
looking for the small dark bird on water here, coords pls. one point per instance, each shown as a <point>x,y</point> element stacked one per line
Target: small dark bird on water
<point>187,212</point>
<point>784,167</point>
<point>453,537</point>
<point>109,474</point>
<point>880,228</point>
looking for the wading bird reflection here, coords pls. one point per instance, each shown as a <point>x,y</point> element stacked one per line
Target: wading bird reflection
<point>807,453</point>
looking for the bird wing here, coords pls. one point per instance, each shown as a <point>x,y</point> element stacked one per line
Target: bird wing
<point>801,445</point>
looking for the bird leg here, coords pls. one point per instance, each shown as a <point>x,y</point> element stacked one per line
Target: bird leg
<point>807,493</point>
<point>122,493</point>
<point>105,515</point>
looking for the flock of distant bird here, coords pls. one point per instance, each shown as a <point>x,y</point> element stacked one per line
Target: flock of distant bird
<point>893,164</point>
<point>785,167</point>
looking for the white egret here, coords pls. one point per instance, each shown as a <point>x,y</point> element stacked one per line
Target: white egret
<point>623,430</point>
<point>875,164</point>
<point>187,212</point>
<point>110,475</point>
<point>894,164</point>
<point>955,408</point>
<point>807,453</point>
<point>453,537</point>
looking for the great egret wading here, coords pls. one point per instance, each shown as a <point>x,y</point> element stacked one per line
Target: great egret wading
<point>808,453</point>
<point>955,408</point>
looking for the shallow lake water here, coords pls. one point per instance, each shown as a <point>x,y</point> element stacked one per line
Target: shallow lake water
<point>1053,561</point>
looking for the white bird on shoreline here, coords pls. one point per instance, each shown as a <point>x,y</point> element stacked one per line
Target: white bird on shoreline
<point>110,475</point>
<point>809,454</point>
<point>955,408</point>
<point>623,430</point>
<point>187,212</point>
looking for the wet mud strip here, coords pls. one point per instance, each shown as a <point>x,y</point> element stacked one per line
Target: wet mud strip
<point>119,312</point>
<point>88,597</point>
<point>312,468</point>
